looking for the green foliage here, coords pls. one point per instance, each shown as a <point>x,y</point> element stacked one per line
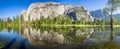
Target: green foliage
<point>15,22</point>
<point>106,10</point>
<point>9,20</point>
<point>21,20</point>
<point>115,21</point>
<point>1,23</point>
<point>112,6</point>
<point>65,20</point>
<point>61,19</point>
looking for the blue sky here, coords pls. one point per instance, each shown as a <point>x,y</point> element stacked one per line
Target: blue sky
<point>10,8</point>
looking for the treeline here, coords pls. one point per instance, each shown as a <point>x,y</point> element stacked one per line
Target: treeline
<point>9,21</point>
<point>64,20</point>
<point>59,20</point>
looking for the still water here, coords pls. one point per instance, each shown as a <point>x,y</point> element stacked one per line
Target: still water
<point>59,38</point>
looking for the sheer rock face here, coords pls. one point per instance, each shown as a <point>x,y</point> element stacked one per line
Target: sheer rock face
<point>52,10</point>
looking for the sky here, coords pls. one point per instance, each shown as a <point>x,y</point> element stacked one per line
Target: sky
<point>11,8</point>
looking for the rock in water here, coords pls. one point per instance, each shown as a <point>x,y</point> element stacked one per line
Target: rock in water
<point>52,10</point>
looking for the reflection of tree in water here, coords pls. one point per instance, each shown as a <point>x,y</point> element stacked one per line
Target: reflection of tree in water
<point>110,44</point>
<point>100,35</point>
<point>21,29</point>
<point>103,42</point>
<point>1,28</point>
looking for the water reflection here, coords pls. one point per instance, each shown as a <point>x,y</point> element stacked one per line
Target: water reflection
<point>105,39</point>
<point>60,38</point>
<point>52,37</point>
<point>10,39</point>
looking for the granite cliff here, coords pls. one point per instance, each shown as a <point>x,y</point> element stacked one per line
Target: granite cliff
<point>53,9</point>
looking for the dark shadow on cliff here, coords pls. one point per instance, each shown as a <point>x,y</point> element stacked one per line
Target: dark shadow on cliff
<point>72,15</point>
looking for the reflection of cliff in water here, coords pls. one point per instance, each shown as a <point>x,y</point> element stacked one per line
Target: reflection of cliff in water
<point>51,37</point>
<point>60,38</point>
